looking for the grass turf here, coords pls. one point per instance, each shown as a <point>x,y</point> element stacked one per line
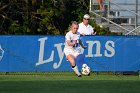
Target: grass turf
<point>69,83</point>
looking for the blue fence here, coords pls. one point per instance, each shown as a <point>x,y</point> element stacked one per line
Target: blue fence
<point>45,53</point>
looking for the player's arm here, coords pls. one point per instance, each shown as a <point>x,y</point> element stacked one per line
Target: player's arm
<point>71,43</point>
<point>80,42</point>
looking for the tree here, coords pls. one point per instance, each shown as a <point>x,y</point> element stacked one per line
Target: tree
<point>47,17</point>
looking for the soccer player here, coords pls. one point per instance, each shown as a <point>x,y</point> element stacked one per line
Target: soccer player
<point>72,47</point>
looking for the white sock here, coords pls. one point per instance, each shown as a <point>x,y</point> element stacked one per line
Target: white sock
<point>75,69</point>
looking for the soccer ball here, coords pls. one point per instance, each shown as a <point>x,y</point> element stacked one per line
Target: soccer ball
<point>85,70</point>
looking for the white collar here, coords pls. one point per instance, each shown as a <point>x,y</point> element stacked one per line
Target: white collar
<point>84,25</point>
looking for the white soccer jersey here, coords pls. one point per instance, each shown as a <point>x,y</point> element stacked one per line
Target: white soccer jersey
<point>87,30</point>
<point>73,50</point>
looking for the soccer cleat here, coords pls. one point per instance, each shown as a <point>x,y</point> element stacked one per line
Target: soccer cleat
<point>79,75</point>
<point>88,74</point>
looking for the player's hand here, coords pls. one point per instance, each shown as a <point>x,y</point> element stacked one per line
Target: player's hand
<point>84,47</point>
<point>83,34</point>
<point>74,42</point>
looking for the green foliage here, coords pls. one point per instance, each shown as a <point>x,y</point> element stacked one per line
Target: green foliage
<point>17,29</point>
<point>46,17</point>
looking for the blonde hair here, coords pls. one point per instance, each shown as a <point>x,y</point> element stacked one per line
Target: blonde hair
<point>73,23</point>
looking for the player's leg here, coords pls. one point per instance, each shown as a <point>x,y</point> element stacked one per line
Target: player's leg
<point>73,64</point>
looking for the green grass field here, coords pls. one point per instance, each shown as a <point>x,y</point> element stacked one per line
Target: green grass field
<point>69,83</point>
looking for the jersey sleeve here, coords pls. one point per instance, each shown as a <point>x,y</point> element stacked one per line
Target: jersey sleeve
<point>67,37</point>
<point>78,35</point>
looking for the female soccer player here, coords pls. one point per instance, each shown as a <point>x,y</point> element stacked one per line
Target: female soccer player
<point>72,47</point>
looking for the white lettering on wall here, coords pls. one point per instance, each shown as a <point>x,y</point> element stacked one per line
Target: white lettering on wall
<point>109,49</point>
<point>41,53</point>
<point>60,53</point>
<point>109,45</point>
<point>108,52</point>
<point>90,45</point>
